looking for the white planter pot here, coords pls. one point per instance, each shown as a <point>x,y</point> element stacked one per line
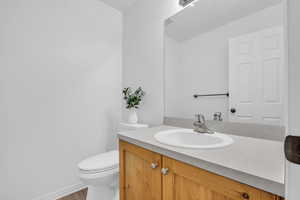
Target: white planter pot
<point>132,116</point>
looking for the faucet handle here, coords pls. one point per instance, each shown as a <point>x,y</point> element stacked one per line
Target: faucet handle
<point>218,116</point>
<point>200,118</point>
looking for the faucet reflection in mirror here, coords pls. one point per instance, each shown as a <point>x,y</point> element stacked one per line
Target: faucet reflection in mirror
<point>218,116</point>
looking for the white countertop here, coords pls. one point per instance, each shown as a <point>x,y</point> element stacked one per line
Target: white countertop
<point>256,162</point>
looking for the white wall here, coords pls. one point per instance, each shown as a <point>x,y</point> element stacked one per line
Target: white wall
<point>172,77</point>
<point>293,170</point>
<point>60,82</point>
<point>203,66</point>
<point>143,53</point>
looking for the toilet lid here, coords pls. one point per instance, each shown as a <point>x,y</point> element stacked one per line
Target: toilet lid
<point>101,162</point>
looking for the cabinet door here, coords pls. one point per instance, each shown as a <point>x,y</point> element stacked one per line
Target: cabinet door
<point>140,177</point>
<point>185,182</point>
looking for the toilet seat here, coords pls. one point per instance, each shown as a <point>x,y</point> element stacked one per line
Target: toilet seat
<point>102,163</point>
<point>97,175</point>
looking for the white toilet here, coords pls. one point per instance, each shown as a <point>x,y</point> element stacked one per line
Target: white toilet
<point>101,172</point>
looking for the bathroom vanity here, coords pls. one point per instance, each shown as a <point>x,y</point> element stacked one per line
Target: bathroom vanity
<point>226,63</point>
<point>155,171</point>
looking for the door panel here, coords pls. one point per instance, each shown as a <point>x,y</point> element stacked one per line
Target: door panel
<point>272,76</point>
<point>242,74</point>
<point>293,170</point>
<point>185,182</point>
<point>256,77</point>
<point>138,179</point>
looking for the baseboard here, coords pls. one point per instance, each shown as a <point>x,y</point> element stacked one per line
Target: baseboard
<point>62,192</point>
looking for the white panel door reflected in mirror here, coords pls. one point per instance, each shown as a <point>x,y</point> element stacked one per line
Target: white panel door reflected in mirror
<point>219,47</point>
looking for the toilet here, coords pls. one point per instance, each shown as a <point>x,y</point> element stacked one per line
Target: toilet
<point>100,172</point>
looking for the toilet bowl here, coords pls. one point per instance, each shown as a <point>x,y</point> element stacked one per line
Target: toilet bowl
<point>101,172</point>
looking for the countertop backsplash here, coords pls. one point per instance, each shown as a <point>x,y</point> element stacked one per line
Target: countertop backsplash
<point>268,132</point>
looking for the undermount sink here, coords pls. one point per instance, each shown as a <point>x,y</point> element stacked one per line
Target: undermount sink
<point>187,138</point>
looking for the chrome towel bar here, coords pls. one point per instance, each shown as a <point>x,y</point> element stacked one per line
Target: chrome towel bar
<point>210,95</point>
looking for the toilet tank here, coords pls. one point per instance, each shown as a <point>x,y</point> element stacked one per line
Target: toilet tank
<point>130,127</point>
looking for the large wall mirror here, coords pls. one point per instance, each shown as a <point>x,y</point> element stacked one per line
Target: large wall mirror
<point>227,61</point>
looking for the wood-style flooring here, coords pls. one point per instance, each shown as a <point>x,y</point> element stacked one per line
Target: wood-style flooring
<point>80,195</point>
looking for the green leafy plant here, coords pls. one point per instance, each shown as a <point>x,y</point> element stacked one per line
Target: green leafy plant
<point>133,99</point>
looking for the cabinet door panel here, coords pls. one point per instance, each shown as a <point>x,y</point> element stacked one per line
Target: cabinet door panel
<point>138,179</point>
<point>189,189</point>
<point>185,182</point>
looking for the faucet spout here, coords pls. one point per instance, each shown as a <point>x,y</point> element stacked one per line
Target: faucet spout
<point>200,125</point>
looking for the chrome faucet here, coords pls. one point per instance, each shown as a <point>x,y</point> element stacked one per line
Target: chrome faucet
<point>218,116</point>
<point>200,125</point>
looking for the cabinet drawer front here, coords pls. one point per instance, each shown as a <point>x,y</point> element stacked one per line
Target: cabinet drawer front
<point>187,182</point>
<point>140,177</point>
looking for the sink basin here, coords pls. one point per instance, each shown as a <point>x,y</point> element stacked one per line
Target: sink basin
<point>187,138</point>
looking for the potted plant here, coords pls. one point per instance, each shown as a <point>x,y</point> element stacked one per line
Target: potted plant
<point>133,100</point>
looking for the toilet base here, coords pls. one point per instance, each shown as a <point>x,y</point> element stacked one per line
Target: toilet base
<point>103,193</point>
<point>116,195</point>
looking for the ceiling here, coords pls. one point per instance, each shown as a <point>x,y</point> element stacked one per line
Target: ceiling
<point>207,15</point>
<point>121,5</point>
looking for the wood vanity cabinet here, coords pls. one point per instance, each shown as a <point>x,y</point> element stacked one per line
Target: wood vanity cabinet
<point>145,175</point>
<point>140,176</point>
